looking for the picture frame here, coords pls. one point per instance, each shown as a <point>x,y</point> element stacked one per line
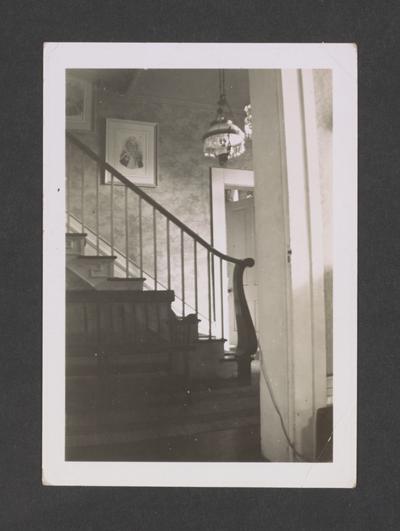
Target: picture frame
<point>131,149</point>
<point>78,103</point>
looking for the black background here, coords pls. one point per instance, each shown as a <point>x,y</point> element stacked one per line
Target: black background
<point>24,503</point>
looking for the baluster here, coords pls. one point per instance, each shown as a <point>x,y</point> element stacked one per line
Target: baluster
<point>196,295</point>
<point>126,233</point>
<point>222,297</point>
<point>209,294</point>
<point>168,256</point>
<point>97,210</point>
<point>155,247</point>
<point>183,273</point>
<point>213,286</point>
<point>82,193</point>
<point>112,215</point>
<point>140,237</point>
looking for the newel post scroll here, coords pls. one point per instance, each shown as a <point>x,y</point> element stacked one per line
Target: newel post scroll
<point>247,339</point>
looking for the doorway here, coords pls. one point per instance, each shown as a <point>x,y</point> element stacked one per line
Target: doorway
<point>233,233</point>
<point>240,239</point>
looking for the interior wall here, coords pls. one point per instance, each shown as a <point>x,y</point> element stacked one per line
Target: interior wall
<point>183,175</point>
<point>323,101</point>
<point>271,257</point>
<point>291,285</point>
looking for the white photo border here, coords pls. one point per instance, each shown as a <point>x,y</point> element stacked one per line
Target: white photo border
<point>342,60</point>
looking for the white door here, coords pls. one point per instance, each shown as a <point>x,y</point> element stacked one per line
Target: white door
<point>240,235</point>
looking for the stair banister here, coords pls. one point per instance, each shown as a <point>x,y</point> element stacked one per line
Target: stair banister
<point>247,340</point>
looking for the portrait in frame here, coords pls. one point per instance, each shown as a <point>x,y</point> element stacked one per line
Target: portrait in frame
<point>78,104</point>
<point>131,149</point>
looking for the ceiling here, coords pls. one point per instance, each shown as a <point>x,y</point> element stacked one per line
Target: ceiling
<point>197,86</point>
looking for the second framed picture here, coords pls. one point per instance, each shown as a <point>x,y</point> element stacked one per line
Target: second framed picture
<point>131,149</point>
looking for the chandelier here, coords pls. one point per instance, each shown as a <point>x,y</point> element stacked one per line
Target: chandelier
<point>224,140</point>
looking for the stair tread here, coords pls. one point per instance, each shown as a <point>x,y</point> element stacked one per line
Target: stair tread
<point>120,295</point>
<point>202,339</point>
<point>125,279</point>
<point>173,384</point>
<point>96,257</point>
<point>146,431</point>
<point>237,444</point>
<point>166,416</point>
<point>148,404</point>
<point>229,356</point>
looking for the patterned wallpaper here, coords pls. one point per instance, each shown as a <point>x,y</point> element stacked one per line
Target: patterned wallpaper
<point>183,180</point>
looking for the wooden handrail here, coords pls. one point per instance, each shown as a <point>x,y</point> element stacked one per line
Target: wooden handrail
<point>150,200</point>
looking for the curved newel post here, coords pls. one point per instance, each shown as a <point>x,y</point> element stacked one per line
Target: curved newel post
<point>247,339</point>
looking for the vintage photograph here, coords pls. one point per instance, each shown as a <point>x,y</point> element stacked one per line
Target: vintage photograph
<point>199,265</point>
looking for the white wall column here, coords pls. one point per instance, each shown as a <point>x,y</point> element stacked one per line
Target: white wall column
<point>291,298</point>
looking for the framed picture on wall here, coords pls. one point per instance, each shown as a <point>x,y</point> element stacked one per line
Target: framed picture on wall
<point>131,149</point>
<point>79,104</point>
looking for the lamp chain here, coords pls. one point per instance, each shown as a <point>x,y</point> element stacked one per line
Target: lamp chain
<point>222,83</point>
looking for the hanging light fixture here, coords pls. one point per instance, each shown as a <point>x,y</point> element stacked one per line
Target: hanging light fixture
<point>224,140</point>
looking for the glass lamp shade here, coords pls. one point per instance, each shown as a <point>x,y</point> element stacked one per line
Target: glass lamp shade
<point>224,140</point>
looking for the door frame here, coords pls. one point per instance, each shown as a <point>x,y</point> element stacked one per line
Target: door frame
<point>220,180</point>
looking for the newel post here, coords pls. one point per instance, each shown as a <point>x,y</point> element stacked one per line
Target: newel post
<point>247,339</point>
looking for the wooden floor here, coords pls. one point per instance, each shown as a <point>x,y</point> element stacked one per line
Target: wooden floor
<point>152,420</point>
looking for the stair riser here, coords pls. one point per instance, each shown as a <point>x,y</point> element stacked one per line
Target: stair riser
<point>200,363</point>
<point>127,411</point>
<point>120,285</point>
<point>230,445</point>
<point>137,432</point>
<point>93,270</point>
<point>118,327</point>
<point>75,244</point>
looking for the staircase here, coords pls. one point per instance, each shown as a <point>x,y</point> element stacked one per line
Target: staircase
<point>145,382</point>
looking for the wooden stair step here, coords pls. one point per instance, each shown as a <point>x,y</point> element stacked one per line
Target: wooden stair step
<point>75,243</point>
<point>120,296</point>
<point>93,269</point>
<point>81,398</point>
<point>153,391</point>
<point>128,364</point>
<point>75,281</point>
<point>96,257</point>
<point>120,283</point>
<point>166,412</point>
<point>238,444</point>
<point>104,434</point>
<point>142,356</point>
<point>87,354</point>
